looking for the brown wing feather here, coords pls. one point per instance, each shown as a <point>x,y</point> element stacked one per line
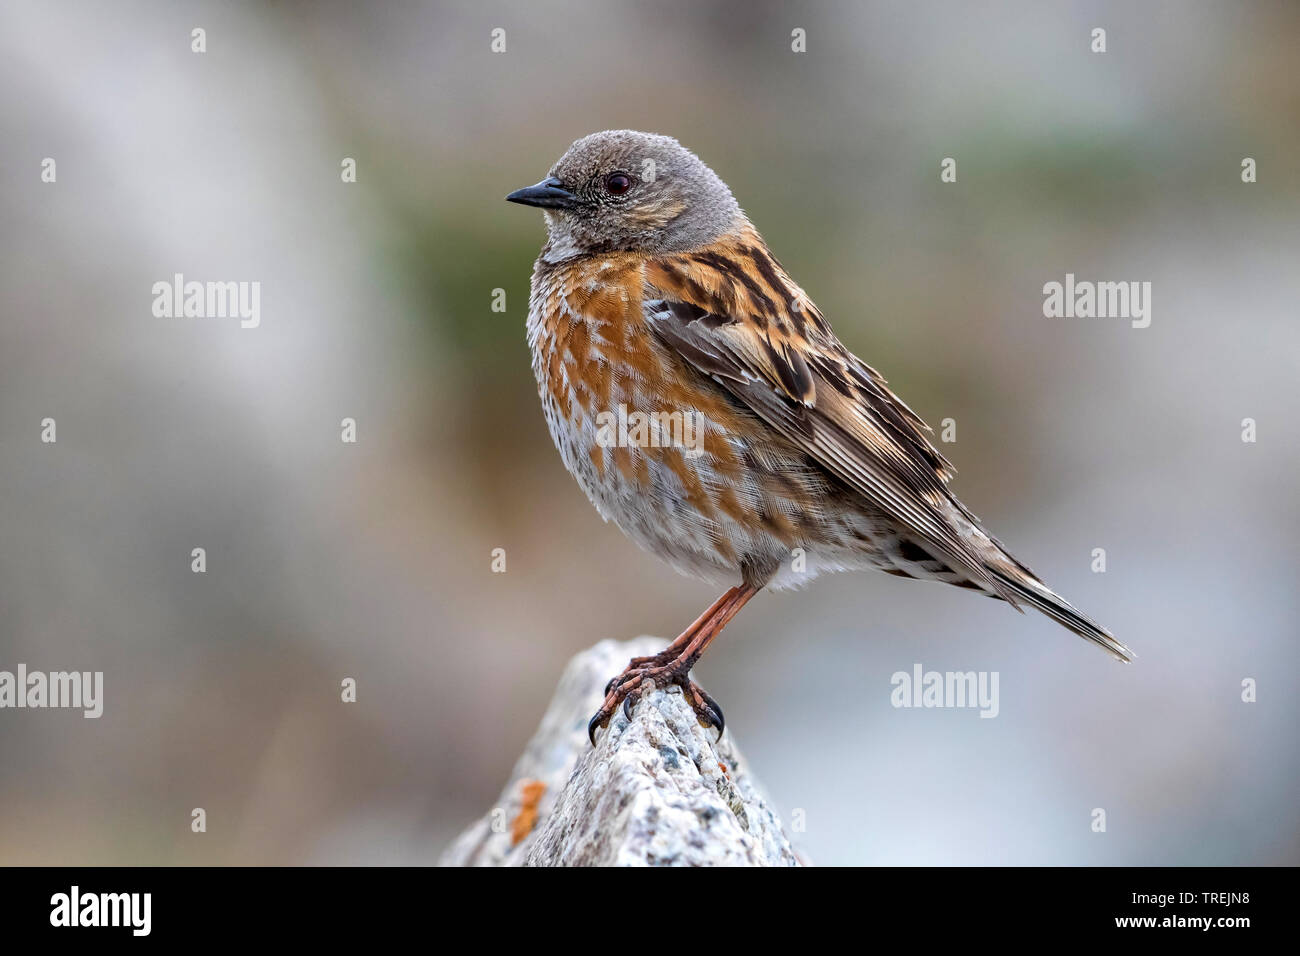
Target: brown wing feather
<point>734,314</point>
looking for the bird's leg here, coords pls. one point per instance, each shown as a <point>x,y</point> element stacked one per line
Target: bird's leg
<point>675,648</point>
<point>673,665</point>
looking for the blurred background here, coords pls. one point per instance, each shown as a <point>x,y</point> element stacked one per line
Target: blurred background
<point>373,560</point>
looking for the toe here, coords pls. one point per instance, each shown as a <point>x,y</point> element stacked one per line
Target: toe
<point>707,711</point>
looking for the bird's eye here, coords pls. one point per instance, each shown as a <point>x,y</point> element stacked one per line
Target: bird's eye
<point>617,183</point>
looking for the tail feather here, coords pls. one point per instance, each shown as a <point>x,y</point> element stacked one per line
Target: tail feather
<point>1034,592</point>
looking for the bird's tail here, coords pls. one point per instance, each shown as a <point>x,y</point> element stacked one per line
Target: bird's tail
<point>1026,586</point>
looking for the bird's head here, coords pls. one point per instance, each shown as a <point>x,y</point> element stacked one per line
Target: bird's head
<point>621,190</point>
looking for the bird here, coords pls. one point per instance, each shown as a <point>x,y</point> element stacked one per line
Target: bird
<point>705,406</point>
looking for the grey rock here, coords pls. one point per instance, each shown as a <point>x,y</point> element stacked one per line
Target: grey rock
<point>660,790</point>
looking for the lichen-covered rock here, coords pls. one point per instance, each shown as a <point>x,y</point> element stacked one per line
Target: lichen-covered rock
<point>658,791</point>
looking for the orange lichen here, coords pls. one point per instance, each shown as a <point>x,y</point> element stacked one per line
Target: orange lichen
<point>527,818</point>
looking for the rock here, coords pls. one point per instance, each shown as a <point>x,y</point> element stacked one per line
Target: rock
<point>658,791</point>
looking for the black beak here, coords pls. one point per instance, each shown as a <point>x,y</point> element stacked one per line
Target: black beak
<point>548,194</point>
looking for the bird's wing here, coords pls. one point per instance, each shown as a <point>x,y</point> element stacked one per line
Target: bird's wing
<point>734,314</point>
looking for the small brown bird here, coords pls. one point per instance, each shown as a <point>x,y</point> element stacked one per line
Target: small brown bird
<point>705,406</point>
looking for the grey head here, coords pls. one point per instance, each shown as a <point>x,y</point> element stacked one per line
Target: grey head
<point>621,190</point>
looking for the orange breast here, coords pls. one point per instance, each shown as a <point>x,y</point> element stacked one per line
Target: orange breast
<point>598,355</point>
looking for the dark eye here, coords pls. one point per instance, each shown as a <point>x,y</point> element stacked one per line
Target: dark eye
<point>618,183</point>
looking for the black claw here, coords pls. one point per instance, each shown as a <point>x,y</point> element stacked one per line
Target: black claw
<point>610,685</point>
<point>715,711</point>
<point>719,721</point>
<point>591,728</point>
<point>627,708</point>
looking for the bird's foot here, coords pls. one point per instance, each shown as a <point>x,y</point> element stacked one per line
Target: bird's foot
<point>642,675</point>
